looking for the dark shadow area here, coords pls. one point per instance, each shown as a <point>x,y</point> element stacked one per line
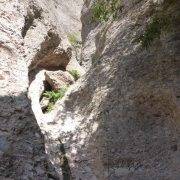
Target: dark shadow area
<point>34,13</point>
<point>64,162</point>
<point>22,150</point>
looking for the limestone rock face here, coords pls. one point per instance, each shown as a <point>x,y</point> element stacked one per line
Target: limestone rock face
<point>21,141</point>
<point>132,104</point>
<point>58,79</point>
<point>31,32</point>
<point>121,120</point>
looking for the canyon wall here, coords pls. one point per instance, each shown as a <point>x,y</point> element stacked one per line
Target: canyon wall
<point>120,120</point>
<point>29,32</point>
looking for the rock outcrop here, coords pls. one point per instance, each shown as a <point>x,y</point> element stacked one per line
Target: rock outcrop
<point>22,153</point>
<point>119,121</point>
<point>58,79</point>
<point>31,32</point>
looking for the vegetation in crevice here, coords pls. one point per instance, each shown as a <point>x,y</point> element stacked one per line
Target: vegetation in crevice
<point>75,74</point>
<point>94,59</point>
<point>154,29</point>
<point>54,96</point>
<point>168,3</point>
<point>76,44</point>
<point>103,10</point>
<point>73,39</point>
<point>159,24</point>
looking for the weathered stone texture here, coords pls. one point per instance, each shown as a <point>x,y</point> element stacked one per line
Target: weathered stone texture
<point>58,79</point>
<point>26,36</point>
<point>121,121</point>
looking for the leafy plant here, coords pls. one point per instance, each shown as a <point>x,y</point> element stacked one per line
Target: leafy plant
<point>158,24</point>
<point>50,107</point>
<point>54,96</point>
<point>102,10</point>
<point>75,74</point>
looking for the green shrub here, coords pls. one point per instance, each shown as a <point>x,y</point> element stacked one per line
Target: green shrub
<point>102,10</point>
<point>158,24</point>
<point>75,74</point>
<point>54,96</point>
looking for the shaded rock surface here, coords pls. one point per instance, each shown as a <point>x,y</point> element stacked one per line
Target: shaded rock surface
<point>121,120</point>
<point>51,57</point>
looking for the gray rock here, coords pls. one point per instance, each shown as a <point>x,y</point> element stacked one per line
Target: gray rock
<point>33,36</point>
<point>58,79</point>
<point>4,144</point>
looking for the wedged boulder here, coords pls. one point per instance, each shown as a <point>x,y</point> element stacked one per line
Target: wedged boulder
<point>58,79</point>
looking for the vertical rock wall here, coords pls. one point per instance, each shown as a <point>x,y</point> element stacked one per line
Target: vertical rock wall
<point>121,120</point>
<point>138,116</point>
<point>22,153</point>
<point>29,31</point>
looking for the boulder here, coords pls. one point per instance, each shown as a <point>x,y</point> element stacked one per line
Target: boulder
<point>58,79</point>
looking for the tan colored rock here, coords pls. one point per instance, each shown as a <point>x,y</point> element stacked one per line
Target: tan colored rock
<point>30,32</point>
<point>52,59</point>
<point>121,120</point>
<point>58,79</point>
<point>51,56</point>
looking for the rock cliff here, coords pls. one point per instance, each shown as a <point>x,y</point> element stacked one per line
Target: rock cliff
<point>31,33</point>
<point>120,120</point>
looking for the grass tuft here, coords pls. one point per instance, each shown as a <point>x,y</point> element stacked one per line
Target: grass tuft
<point>54,96</point>
<point>103,10</point>
<point>75,74</point>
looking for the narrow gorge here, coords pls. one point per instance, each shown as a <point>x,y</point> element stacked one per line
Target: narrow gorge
<point>89,89</point>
